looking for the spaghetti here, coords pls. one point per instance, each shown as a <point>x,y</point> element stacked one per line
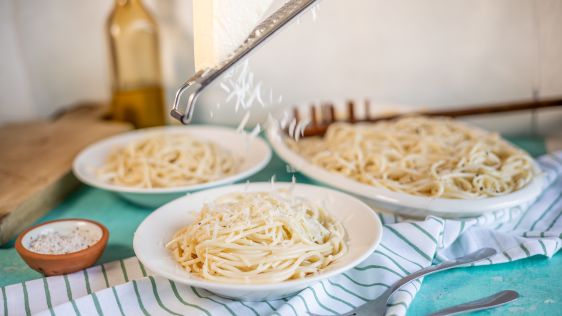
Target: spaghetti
<point>259,238</point>
<point>435,157</point>
<point>167,160</point>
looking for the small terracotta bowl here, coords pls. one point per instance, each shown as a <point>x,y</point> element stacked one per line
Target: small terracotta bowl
<point>56,264</point>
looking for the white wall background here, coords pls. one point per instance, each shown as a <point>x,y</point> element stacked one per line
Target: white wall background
<point>428,53</point>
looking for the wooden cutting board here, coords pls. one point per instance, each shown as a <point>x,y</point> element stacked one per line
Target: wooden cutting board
<point>36,160</point>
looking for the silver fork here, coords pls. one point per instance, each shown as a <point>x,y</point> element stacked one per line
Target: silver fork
<point>378,306</point>
<point>494,300</point>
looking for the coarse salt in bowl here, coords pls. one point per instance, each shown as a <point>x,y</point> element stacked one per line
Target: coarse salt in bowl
<point>62,246</point>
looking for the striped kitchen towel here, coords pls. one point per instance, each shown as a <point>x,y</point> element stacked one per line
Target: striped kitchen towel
<point>125,287</point>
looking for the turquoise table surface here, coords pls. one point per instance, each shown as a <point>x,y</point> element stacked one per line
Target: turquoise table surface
<point>537,279</point>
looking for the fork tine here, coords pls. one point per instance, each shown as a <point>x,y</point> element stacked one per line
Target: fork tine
<point>351,111</point>
<point>332,110</point>
<point>313,117</point>
<point>296,115</point>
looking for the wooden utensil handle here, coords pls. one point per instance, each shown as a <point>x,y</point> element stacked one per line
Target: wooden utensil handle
<point>319,128</point>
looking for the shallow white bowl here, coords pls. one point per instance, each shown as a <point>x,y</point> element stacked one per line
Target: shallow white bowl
<point>363,229</point>
<point>406,204</point>
<point>254,152</point>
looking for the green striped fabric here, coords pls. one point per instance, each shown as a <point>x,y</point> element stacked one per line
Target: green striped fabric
<point>125,287</point>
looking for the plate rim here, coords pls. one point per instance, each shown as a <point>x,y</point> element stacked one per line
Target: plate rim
<point>208,284</point>
<point>76,170</point>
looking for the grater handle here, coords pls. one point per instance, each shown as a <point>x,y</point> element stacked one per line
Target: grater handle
<point>203,78</point>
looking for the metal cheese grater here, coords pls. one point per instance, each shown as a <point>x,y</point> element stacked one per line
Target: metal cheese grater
<point>203,78</point>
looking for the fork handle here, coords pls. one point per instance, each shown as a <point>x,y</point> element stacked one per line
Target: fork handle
<point>470,258</point>
<point>378,306</point>
<point>494,300</point>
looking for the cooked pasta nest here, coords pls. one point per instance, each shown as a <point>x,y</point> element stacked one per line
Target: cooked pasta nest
<point>259,237</point>
<point>431,157</point>
<point>165,160</point>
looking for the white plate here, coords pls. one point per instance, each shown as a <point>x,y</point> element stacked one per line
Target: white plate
<point>254,152</point>
<point>407,204</point>
<point>363,229</point>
